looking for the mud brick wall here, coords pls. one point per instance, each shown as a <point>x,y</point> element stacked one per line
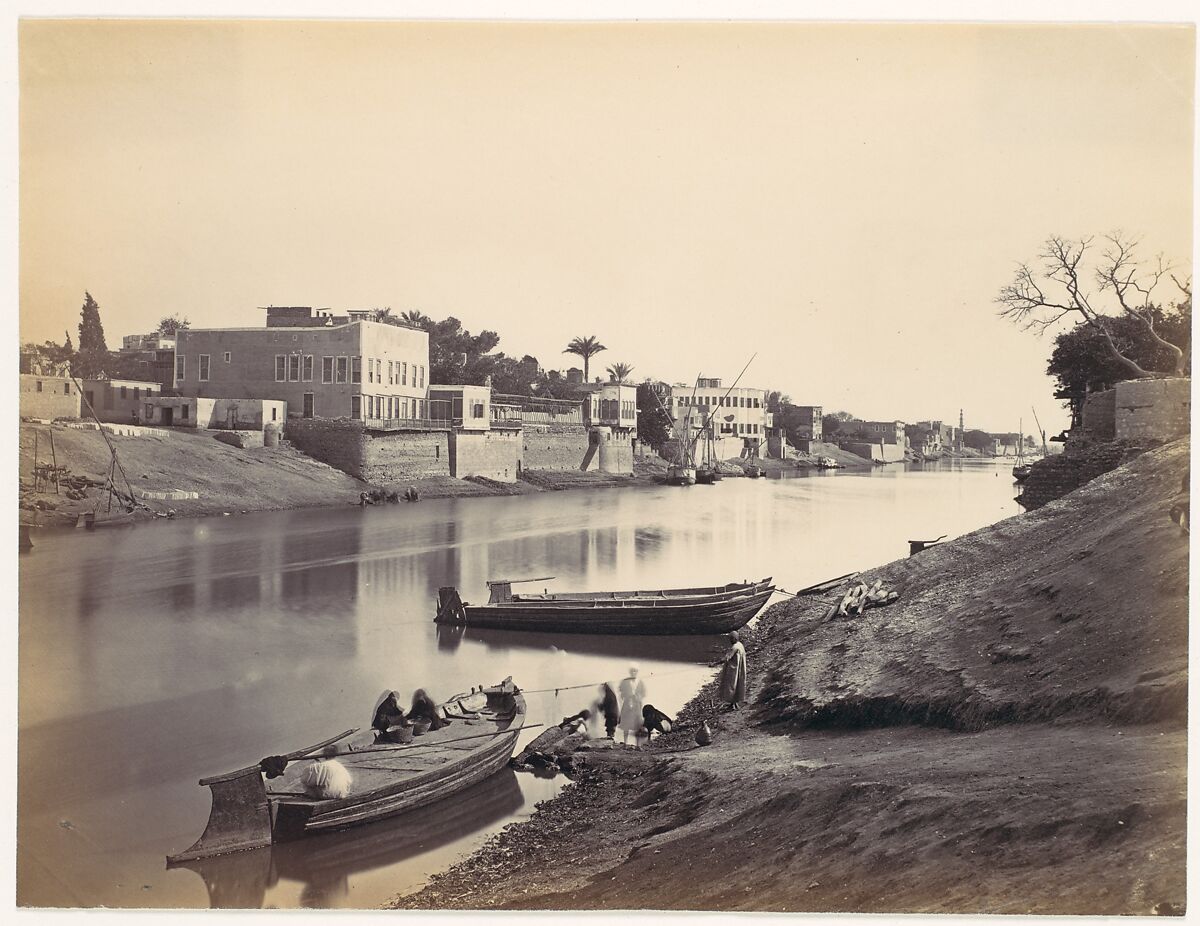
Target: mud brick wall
<point>614,450</point>
<point>1053,477</point>
<point>1153,409</point>
<point>494,454</point>
<point>558,447</point>
<point>336,441</point>
<point>392,457</point>
<point>58,397</point>
<point>1100,414</point>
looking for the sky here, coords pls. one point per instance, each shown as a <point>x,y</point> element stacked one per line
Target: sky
<point>840,201</point>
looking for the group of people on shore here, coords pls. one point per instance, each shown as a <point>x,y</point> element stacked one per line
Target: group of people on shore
<point>625,707</point>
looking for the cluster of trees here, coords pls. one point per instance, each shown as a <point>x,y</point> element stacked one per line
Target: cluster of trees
<point>456,356</point>
<point>92,358</point>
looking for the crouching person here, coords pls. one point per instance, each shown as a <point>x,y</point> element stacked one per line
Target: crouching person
<point>655,721</point>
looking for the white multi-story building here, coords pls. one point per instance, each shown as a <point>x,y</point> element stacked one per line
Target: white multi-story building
<point>736,418</point>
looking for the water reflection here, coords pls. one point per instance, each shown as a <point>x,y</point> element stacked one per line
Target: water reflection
<point>187,648</point>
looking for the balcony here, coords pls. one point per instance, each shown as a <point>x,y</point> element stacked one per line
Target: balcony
<point>406,424</point>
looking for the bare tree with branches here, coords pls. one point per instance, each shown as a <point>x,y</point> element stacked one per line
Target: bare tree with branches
<point>1038,298</point>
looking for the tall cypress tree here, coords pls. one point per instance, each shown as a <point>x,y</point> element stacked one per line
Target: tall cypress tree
<point>93,351</point>
<point>91,332</point>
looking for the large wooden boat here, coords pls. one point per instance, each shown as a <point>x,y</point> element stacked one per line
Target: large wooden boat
<point>250,811</point>
<point>705,610</point>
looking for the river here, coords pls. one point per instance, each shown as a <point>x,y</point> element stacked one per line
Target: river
<point>153,655</point>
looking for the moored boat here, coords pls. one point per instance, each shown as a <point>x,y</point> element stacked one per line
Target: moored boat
<point>704,610</point>
<point>250,811</point>
<point>1021,471</point>
<point>681,474</point>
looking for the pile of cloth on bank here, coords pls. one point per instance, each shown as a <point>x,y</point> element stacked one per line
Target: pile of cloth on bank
<point>860,596</point>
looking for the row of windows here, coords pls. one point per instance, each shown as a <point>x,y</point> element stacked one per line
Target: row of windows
<point>66,387</point>
<point>725,401</point>
<point>298,368</point>
<point>388,407</point>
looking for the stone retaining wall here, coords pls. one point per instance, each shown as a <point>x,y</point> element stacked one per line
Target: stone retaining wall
<point>558,447</point>
<point>393,457</point>
<point>336,441</point>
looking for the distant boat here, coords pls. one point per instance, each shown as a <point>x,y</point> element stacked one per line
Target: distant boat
<point>1022,470</point>
<point>681,474</point>
<point>708,472</point>
<point>753,471</point>
<point>249,812</point>
<point>705,610</point>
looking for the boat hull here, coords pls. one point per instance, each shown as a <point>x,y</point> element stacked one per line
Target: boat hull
<point>697,617</point>
<point>247,814</point>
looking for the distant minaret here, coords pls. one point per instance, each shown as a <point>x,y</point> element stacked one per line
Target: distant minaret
<point>960,429</point>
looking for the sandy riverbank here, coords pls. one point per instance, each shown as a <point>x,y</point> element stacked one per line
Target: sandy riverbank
<point>1010,736</point>
<point>231,480</point>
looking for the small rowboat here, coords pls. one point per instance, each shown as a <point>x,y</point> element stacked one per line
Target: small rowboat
<point>249,812</point>
<point>662,611</point>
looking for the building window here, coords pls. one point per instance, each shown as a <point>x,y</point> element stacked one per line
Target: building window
<point>342,366</point>
<point>66,388</point>
<point>378,370</point>
<point>391,372</point>
<point>294,368</point>
<point>477,410</point>
<point>404,373</point>
<point>370,371</point>
<point>228,356</point>
<point>355,406</point>
<point>327,369</point>
<point>180,367</point>
<point>124,392</point>
<point>183,411</point>
<point>422,383</point>
<point>39,385</point>
<point>356,369</point>
<point>307,374</point>
<point>281,368</point>
<point>202,369</point>
<point>137,392</point>
<point>274,413</point>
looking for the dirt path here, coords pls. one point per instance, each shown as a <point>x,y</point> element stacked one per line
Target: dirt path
<point>1009,737</point>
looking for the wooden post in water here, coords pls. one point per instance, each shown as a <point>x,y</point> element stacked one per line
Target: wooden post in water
<point>54,463</point>
<point>37,486</point>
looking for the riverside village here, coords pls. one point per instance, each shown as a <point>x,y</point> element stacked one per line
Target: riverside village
<point>533,566</point>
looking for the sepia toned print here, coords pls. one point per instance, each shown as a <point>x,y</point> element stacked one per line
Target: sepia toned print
<point>604,466</point>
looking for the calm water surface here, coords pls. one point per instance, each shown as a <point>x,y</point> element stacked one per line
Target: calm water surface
<point>154,655</point>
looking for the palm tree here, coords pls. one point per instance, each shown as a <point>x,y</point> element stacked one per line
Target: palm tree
<point>385,316</point>
<point>416,318</point>
<point>620,372</point>
<point>586,348</point>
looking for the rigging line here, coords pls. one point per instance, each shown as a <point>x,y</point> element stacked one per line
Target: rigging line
<point>704,426</point>
<point>687,668</point>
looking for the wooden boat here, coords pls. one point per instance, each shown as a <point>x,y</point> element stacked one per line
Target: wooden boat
<point>249,811</point>
<point>753,471</point>
<point>325,865</point>
<point>1021,471</point>
<point>681,474</point>
<point>660,611</point>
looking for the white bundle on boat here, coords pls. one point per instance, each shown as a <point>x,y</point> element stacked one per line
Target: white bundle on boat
<point>326,779</point>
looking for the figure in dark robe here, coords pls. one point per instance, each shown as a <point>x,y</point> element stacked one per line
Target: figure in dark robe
<point>388,713</point>
<point>610,708</point>
<point>424,710</point>
<point>733,674</point>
